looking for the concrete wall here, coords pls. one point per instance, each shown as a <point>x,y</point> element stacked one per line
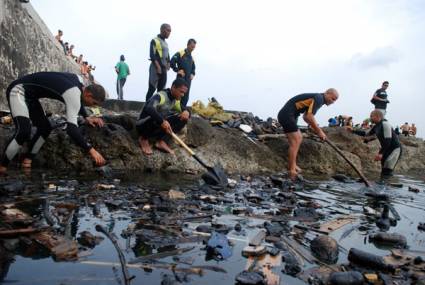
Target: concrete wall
<point>27,46</point>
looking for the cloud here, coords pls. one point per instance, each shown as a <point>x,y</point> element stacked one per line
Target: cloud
<point>380,57</point>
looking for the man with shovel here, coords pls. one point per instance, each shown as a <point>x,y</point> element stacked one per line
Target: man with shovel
<point>390,151</point>
<point>162,115</point>
<point>308,104</point>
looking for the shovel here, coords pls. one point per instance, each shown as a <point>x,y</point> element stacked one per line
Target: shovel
<point>366,182</point>
<point>215,175</point>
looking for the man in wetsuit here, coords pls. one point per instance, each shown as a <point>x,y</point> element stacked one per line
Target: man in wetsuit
<point>160,61</point>
<point>163,114</point>
<point>390,151</point>
<point>183,64</point>
<point>308,104</point>
<point>379,98</point>
<point>23,96</point>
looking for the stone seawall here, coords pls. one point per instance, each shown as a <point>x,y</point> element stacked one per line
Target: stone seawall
<point>27,46</point>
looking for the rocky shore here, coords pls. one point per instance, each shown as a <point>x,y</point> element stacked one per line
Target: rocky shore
<point>231,147</point>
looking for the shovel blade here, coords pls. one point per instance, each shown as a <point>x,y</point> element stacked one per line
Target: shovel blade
<point>215,176</point>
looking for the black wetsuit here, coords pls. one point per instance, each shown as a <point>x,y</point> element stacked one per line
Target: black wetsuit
<point>158,109</point>
<point>184,60</point>
<point>303,103</point>
<point>390,145</point>
<point>23,96</point>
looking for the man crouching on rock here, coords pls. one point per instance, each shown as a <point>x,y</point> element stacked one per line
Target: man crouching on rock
<point>23,96</point>
<point>162,115</point>
<point>308,104</point>
<point>390,151</point>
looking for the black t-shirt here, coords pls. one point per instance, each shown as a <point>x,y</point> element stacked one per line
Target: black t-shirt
<point>381,93</point>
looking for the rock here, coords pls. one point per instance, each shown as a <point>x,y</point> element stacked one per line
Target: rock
<point>380,196</point>
<point>253,251</point>
<point>306,213</point>
<point>274,229</point>
<point>238,227</point>
<point>204,229</point>
<point>250,278</point>
<point>414,189</point>
<point>368,260</point>
<point>280,245</point>
<point>239,210</point>
<point>292,267</point>
<point>13,187</point>
<point>384,223</point>
<point>389,239</point>
<point>342,178</point>
<point>10,244</point>
<point>418,260</point>
<point>421,226</point>
<point>325,248</point>
<point>277,180</point>
<point>89,240</point>
<point>273,251</point>
<point>346,278</point>
<point>176,195</point>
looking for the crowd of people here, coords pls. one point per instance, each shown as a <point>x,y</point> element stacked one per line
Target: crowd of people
<point>68,49</point>
<point>406,129</point>
<point>347,122</point>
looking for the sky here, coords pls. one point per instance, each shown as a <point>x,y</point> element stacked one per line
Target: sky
<point>255,55</point>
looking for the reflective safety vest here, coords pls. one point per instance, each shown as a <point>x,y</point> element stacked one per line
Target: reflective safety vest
<point>167,105</point>
<point>161,47</point>
<point>158,46</point>
<point>183,52</point>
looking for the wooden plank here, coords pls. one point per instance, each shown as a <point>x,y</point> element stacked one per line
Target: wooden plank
<point>16,232</point>
<point>336,224</point>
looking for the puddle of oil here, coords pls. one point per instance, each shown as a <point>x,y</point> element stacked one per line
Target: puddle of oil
<point>97,267</point>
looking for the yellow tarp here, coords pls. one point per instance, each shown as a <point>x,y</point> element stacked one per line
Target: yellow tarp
<point>212,111</point>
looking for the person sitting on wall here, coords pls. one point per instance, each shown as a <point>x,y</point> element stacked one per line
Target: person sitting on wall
<point>162,115</point>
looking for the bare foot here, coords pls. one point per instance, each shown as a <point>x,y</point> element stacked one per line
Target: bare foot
<point>298,169</point>
<point>26,163</point>
<point>162,145</point>
<point>292,174</point>
<point>145,146</point>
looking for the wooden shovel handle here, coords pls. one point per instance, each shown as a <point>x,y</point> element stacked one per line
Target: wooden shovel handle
<point>366,182</point>
<point>191,152</point>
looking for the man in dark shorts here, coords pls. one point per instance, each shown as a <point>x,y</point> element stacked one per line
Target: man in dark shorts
<point>23,96</point>
<point>390,151</point>
<point>308,104</point>
<point>163,114</point>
